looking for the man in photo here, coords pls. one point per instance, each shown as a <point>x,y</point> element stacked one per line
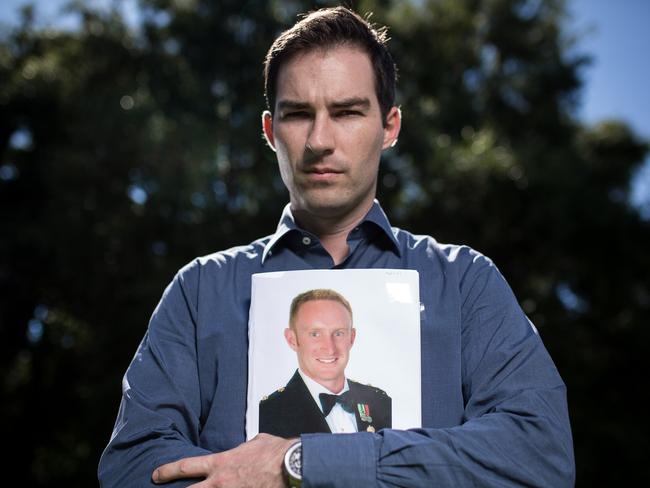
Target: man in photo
<point>319,397</point>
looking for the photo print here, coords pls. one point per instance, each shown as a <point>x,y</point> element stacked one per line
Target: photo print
<point>334,351</point>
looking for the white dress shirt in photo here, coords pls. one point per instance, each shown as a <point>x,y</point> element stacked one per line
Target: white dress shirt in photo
<point>339,420</point>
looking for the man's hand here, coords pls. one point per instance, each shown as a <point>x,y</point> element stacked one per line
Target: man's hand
<point>256,463</point>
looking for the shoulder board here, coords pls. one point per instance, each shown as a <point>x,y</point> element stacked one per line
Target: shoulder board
<point>368,385</point>
<point>273,395</point>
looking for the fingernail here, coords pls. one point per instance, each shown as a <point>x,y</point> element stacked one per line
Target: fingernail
<point>155,476</point>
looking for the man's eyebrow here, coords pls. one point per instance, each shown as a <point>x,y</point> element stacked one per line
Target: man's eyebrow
<point>358,102</point>
<point>291,105</point>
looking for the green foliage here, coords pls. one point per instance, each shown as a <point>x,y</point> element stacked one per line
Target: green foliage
<point>125,154</point>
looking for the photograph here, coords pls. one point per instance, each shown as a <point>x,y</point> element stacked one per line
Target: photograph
<point>333,351</point>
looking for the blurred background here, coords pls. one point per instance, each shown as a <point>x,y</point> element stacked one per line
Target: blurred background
<point>130,143</point>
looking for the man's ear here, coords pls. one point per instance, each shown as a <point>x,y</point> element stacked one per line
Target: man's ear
<point>392,127</point>
<point>353,335</point>
<point>291,338</point>
<point>267,128</point>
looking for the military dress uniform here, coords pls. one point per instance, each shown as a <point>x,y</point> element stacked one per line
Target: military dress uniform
<point>291,410</point>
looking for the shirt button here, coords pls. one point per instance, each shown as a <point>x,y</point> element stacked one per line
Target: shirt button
<point>306,240</point>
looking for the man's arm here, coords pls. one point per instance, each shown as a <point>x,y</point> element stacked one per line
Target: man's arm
<point>515,430</point>
<point>158,420</point>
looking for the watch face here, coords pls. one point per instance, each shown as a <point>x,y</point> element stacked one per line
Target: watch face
<point>293,461</point>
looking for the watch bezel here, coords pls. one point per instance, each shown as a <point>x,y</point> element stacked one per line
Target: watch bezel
<point>287,461</point>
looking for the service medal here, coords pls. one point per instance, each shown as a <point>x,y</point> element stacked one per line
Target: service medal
<point>364,412</point>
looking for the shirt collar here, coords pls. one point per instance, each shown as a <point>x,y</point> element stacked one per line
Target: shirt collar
<point>316,388</point>
<point>288,224</point>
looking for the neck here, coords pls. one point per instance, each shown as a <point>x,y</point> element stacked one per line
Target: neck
<point>334,386</point>
<point>331,231</point>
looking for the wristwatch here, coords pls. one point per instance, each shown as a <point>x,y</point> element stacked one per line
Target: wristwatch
<point>293,464</point>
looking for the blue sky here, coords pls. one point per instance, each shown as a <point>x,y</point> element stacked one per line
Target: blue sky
<point>615,33</point>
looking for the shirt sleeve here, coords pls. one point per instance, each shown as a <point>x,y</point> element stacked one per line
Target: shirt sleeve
<point>158,420</point>
<point>515,429</point>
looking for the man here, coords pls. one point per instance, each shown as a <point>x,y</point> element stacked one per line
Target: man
<point>319,398</point>
<point>494,407</point>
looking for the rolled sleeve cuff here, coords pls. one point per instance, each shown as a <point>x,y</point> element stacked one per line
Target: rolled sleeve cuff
<point>338,460</point>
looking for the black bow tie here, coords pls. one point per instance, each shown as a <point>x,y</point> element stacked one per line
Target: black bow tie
<point>328,401</point>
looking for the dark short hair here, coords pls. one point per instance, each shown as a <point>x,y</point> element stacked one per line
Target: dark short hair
<point>327,28</point>
<point>316,294</point>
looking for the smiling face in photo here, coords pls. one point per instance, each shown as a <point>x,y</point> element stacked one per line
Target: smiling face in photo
<point>322,336</point>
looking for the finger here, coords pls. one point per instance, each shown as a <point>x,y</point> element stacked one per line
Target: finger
<point>192,467</point>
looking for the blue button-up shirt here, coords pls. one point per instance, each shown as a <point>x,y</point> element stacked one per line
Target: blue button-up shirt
<point>494,409</point>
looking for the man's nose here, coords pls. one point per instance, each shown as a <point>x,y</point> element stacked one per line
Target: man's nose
<point>321,138</point>
<point>328,345</point>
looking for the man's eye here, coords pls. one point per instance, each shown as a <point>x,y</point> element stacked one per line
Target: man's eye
<point>348,113</point>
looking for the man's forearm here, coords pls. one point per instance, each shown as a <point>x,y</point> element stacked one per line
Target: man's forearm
<point>486,452</point>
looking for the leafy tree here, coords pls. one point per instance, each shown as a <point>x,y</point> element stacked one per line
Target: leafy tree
<point>124,154</point>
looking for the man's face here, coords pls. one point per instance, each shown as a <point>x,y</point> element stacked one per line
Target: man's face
<point>322,337</point>
<point>327,131</point>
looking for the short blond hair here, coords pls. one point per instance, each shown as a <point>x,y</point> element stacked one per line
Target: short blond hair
<point>316,294</point>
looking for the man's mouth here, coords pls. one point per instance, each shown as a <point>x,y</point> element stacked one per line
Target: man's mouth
<point>326,360</point>
<point>323,170</point>
<point>323,175</point>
